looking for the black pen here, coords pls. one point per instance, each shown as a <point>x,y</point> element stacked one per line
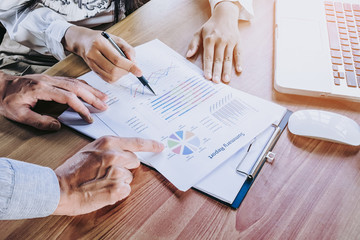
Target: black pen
<point>142,79</point>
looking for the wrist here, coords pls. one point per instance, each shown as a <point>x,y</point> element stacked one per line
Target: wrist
<point>227,8</point>
<point>61,208</point>
<point>72,38</point>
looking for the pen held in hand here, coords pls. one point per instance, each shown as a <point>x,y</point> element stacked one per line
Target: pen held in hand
<point>141,79</point>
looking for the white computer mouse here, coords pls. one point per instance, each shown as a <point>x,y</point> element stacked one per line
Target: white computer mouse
<point>325,125</point>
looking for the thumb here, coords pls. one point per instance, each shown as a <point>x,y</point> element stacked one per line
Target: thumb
<point>194,45</point>
<point>42,122</point>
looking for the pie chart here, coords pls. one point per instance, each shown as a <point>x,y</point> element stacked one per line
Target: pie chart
<point>183,142</point>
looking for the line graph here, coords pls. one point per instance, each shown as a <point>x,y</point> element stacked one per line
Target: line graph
<point>153,78</point>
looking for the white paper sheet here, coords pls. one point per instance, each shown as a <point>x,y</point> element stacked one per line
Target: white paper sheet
<point>201,124</point>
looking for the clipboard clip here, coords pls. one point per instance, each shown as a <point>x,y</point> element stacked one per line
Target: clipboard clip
<point>265,155</point>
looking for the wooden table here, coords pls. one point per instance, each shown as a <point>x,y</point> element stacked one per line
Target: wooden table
<point>311,191</point>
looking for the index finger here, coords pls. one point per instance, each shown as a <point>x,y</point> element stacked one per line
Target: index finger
<point>117,60</point>
<point>130,144</point>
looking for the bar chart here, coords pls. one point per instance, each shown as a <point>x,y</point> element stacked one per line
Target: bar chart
<point>183,98</point>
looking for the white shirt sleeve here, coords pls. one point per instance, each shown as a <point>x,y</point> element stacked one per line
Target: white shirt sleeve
<point>246,7</point>
<point>41,29</point>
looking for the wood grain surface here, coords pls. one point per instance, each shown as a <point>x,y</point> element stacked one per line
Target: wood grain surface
<point>311,191</point>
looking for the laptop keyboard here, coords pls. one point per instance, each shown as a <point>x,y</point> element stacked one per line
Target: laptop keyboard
<point>343,23</point>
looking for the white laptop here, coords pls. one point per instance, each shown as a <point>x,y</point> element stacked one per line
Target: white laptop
<point>317,48</point>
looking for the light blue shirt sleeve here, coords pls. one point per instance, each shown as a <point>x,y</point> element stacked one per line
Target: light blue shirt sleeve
<point>27,190</point>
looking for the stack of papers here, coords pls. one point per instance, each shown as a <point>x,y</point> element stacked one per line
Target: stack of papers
<point>205,127</point>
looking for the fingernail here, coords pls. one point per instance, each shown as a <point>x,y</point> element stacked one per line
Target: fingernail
<point>216,79</point>
<point>239,68</point>
<point>226,78</point>
<point>138,73</point>
<point>188,54</point>
<point>208,75</point>
<point>103,104</point>
<point>89,119</point>
<point>55,125</point>
<point>161,146</point>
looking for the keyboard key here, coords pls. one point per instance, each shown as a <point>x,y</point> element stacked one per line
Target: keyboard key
<point>350,79</point>
<point>341,20</point>
<point>344,42</point>
<point>348,14</point>
<point>329,7</point>
<point>344,36</point>
<point>346,54</point>
<point>330,18</point>
<point>336,81</point>
<point>343,31</point>
<point>345,48</point>
<point>352,35</point>
<point>340,14</point>
<point>350,19</point>
<point>357,14</point>
<point>352,29</point>
<point>351,24</point>
<point>333,36</point>
<point>355,46</point>
<point>337,61</point>
<point>357,72</point>
<point>335,68</point>
<point>335,54</point>
<point>342,25</point>
<point>356,53</point>
<point>356,59</point>
<point>354,41</point>
<point>330,13</point>
<point>349,68</point>
<point>348,62</point>
<point>329,3</point>
<point>336,74</point>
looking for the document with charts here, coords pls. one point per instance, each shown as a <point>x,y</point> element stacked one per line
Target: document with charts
<point>201,124</point>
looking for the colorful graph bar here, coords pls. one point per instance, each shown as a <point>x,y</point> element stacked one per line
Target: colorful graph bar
<point>183,98</point>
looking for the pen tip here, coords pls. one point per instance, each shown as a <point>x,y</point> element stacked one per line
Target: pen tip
<point>151,90</point>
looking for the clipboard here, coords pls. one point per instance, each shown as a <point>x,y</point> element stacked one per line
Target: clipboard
<point>248,164</point>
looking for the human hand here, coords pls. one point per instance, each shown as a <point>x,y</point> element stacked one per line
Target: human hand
<point>220,39</point>
<point>100,55</point>
<point>99,174</point>
<point>18,95</point>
